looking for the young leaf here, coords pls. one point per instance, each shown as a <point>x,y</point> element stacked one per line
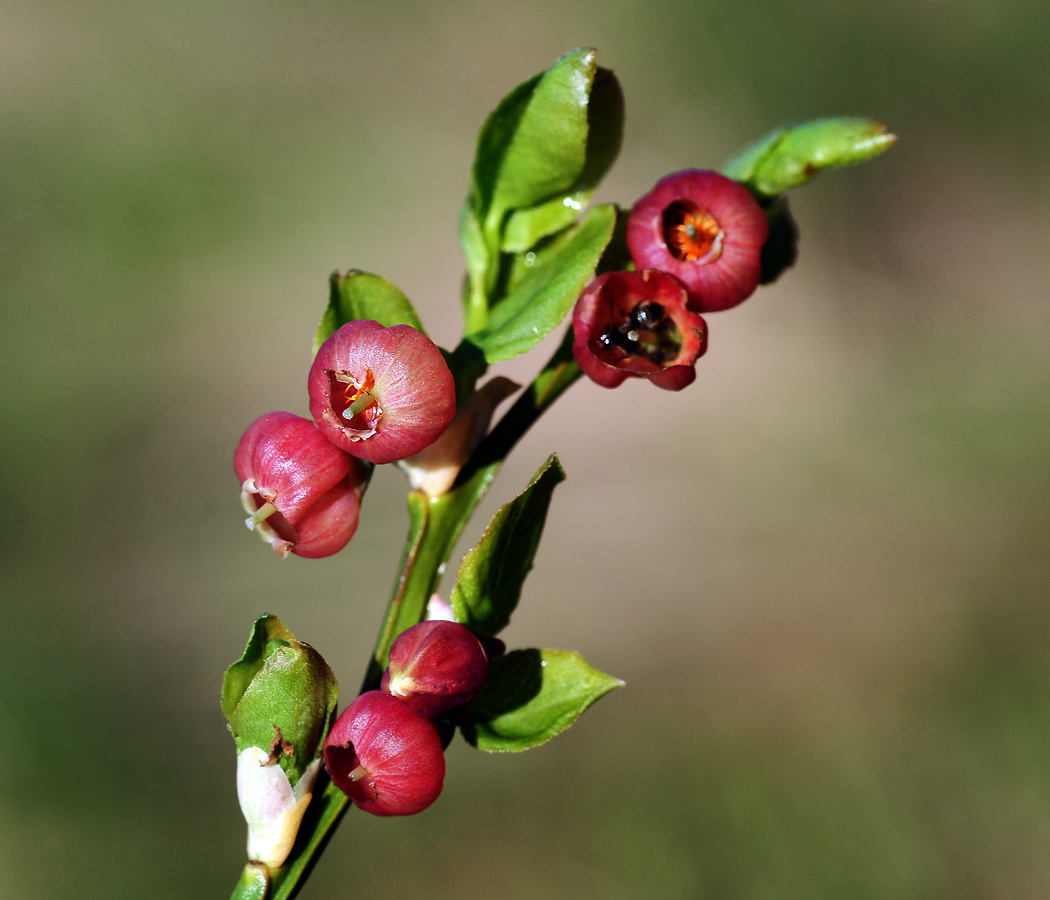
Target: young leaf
<point>539,158</point>
<point>526,226</point>
<point>542,299</point>
<point>532,696</point>
<point>361,295</point>
<point>496,135</point>
<point>743,166</point>
<point>239,675</point>
<point>489,583</point>
<point>477,256</point>
<point>793,155</point>
<point>535,143</point>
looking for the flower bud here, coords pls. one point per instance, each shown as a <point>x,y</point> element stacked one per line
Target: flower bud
<point>434,469</point>
<point>279,699</point>
<point>436,667</point>
<point>706,230</point>
<point>272,808</point>
<point>384,757</point>
<point>302,494</point>
<point>636,324</point>
<point>439,610</point>
<point>381,394</point>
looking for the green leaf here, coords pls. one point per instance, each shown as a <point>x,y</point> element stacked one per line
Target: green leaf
<point>488,586</point>
<point>543,297</point>
<point>280,684</point>
<point>477,256</point>
<point>793,155</point>
<point>361,295</point>
<point>539,158</point>
<point>239,675</point>
<point>534,145</point>
<point>494,140</point>
<point>743,166</point>
<point>532,696</point>
<point>605,112</point>
<point>526,227</point>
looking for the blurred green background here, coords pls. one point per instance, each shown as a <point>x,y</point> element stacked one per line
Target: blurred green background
<point>822,570</point>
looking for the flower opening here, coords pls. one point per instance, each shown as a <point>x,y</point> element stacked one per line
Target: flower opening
<point>384,757</point>
<point>381,394</point>
<point>637,324</point>
<point>302,494</point>
<point>706,230</point>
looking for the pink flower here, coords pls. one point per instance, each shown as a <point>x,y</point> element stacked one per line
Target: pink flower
<point>706,230</point>
<point>436,667</point>
<point>302,494</point>
<point>381,394</point>
<point>384,757</point>
<point>637,324</point>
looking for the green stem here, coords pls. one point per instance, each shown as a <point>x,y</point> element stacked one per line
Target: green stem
<point>435,524</point>
<point>253,883</point>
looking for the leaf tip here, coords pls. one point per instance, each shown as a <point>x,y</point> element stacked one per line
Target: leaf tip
<point>553,465</point>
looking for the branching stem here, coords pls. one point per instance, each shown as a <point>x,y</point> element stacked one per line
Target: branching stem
<point>435,524</point>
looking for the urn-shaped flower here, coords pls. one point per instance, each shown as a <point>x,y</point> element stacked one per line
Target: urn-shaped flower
<point>706,230</point>
<point>384,757</point>
<point>301,493</point>
<point>436,667</point>
<point>637,324</point>
<point>381,394</point>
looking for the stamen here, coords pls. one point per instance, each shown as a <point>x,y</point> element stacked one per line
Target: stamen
<point>260,515</point>
<point>266,520</point>
<point>355,406</point>
<point>360,404</point>
<point>353,389</point>
<point>691,233</point>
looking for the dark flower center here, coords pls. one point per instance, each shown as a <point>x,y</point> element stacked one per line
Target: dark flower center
<point>690,232</point>
<point>643,332</point>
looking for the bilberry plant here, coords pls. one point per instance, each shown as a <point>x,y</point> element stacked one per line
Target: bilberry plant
<point>635,284</point>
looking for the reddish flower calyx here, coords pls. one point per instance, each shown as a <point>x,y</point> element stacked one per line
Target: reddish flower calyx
<point>302,494</point>
<point>384,757</point>
<point>436,667</point>
<point>637,324</point>
<point>381,394</point>
<point>706,230</point>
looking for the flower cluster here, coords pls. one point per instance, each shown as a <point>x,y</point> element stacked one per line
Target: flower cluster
<point>377,395</point>
<point>696,240</point>
<point>385,751</point>
<point>382,392</point>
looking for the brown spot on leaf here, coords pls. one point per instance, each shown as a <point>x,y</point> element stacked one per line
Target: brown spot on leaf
<point>277,747</point>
